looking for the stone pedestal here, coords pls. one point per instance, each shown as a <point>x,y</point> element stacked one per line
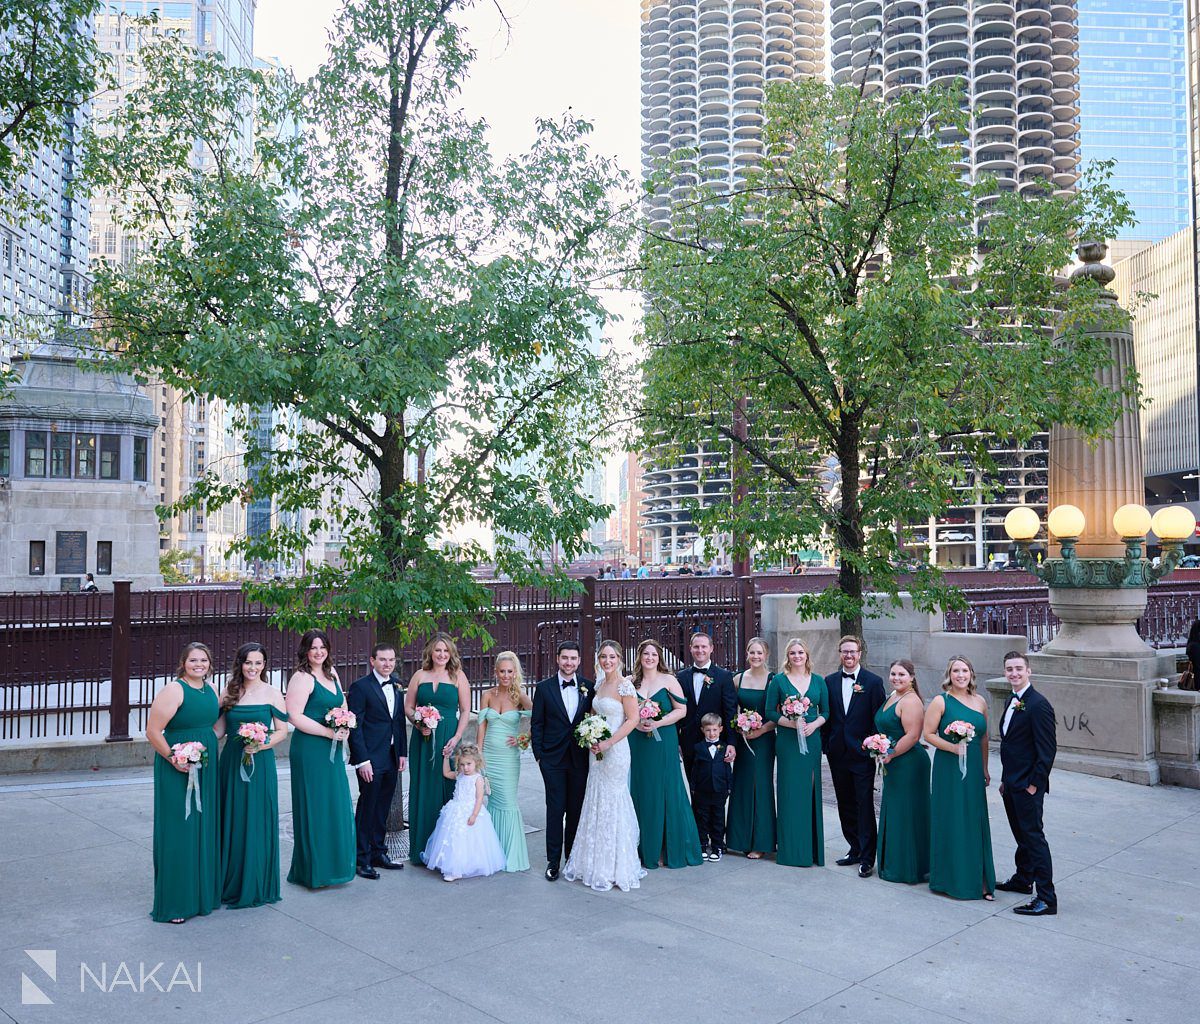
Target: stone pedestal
<point>1177,736</point>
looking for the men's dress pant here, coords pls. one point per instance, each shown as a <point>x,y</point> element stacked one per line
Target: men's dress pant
<point>370,816</point>
<point>709,812</point>
<point>854,787</point>
<point>565,787</point>
<point>1034,866</point>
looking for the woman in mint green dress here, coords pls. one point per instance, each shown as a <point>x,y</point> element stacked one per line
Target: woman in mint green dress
<point>250,792</point>
<point>903,846</point>
<point>440,683</point>
<point>322,817</point>
<point>667,826</point>
<point>751,822</point>
<point>799,820</point>
<point>504,710</point>
<point>187,851</point>
<point>960,846</point>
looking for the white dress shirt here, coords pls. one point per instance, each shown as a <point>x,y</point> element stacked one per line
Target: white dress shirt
<point>570,695</point>
<point>848,682</point>
<point>698,678</point>
<point>389,693</point>
<point>1018,695</point>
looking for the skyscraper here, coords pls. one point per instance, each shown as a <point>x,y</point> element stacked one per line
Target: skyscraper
<point>1133,106</point>
<point>705,66</point>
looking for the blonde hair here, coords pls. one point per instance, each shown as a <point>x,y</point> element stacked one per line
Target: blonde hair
<point>453,666</point>
<point>851,638</point>
<point>947,685</point>
<point>637,667</point>
<point>761,643</point>
<point>794,642</point>
<point>472,753</point>
<point>517,686</point>
<point>615,647</point>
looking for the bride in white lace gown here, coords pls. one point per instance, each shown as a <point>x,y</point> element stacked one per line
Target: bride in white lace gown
<point>605,851</point>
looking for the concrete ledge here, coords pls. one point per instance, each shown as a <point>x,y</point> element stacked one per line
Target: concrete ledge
<point>82,755</point>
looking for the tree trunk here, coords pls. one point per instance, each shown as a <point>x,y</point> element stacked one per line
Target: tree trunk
<point>849,524</point>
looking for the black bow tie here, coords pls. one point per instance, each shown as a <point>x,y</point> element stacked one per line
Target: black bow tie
<point>851,678</point>
<point>568,682</point>
<point>702,671</point>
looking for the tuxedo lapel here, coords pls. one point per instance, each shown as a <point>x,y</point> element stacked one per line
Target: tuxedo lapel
<point>1004,713</point>
<point>556,689</point>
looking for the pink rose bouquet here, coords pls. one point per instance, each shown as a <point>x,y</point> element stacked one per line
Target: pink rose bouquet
<point>745,723</point>
<point>878,746</point>
<point>340,718</point>
<point>253,736</point>
<point>795,708</point>
<point>649,711</point>
<point>428,716</point>
<point>962,733</point>
<point>193,756</point>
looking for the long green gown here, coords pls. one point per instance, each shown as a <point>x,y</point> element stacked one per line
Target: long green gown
<point>903,848</point>
<point>322,816</point>
<point>428,789</point>
<point>799,816</point>
<point>960,848</point>
<point>504,773</point>
<point>751,823</point>
<point>249,814</point>
<point>187,848</point>
<point>660,800</point>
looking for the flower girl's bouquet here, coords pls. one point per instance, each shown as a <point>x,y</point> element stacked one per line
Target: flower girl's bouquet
<point>961,733</point>
<point>795,708</point>
<point>253,734</point>
<point>591,731</point>
<point>340,718</point>
<point>193,756</point>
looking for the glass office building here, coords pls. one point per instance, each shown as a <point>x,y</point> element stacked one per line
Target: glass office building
<point>1133,106</point>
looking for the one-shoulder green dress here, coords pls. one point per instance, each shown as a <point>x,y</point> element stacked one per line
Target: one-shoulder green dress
<point>800,815</point>
<point>503,768</point>
<point>660,800</point>
<point>960,849</point>
<point>187,848</point>
<point>322,815</point>
<point>428,788</point>
<point>903,846</point>
<point>752,801</point>
<point>249,813</point>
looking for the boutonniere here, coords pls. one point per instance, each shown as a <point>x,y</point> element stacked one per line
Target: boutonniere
<point>1018,705</point>
<point>858,688</point>
<point>584,691</point>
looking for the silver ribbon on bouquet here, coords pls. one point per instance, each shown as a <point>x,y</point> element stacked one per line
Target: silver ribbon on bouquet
<point>962,757</point>
<point>246,775</point>
<point>333,750</point>
<point>800,737</point>
<point>193,790</point>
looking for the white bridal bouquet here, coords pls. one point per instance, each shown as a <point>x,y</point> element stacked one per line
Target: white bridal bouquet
<point>591,731</point>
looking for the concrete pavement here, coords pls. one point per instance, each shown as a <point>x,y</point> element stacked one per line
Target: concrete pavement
<point>736,941</point>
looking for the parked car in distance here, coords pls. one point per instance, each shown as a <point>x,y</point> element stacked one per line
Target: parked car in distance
<point>955,536</point>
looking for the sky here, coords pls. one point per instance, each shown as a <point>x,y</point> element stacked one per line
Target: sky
<point>557,54</point>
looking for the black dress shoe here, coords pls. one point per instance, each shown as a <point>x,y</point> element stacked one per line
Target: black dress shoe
<point>866,870</point>
<point>1037,907</point>
<point>366,872</point>
<point>551,872</point>
<point>1015,885</point>
<point>847,860</point>
<point>387,864</point>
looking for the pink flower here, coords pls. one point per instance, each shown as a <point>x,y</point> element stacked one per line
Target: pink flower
<point>958,731</point>
<point>341,718</point>
<point>649,709</point>
<point>428,716</point>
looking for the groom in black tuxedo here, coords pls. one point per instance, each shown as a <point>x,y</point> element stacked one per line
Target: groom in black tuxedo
<point>559,704</point>
<point>379,753</point>
<point>855,694</point>
<point>708,689</point>
<point>1027,749</point>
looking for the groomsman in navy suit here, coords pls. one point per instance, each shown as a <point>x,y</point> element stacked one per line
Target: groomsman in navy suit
<point>855,694</point>
<point>379,753</point>
<point>1027,749</point>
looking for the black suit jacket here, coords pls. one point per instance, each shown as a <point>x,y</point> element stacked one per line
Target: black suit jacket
<point>710,775</point>
<point>377,733</point>
<point>719,695</point>
<point>843,734</point>
<point>551,732</point>
<point>1028,745</point>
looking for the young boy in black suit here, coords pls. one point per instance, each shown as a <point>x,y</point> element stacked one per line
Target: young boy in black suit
<point>711,779</point>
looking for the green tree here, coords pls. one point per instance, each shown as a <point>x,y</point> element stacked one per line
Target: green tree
<point>49,66</point>
<point>170,562</point>
<point>878,318</point>
<point>417,311</point>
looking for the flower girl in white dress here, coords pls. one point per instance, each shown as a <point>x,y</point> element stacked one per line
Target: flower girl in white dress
<point>464,843</point>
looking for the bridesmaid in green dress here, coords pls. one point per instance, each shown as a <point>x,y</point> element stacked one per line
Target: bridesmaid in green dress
<point>187,851</point>
<point>751,823</point>
<point>660,800</point>
<point>322,817</point>
<point>439,681</point>
<point>903,847</point>
<point>504,709</point>
<point>800,821</point>
<point>250,793</point>
<point>960,848</point>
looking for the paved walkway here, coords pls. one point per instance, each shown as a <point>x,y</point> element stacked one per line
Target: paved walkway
<point>736,941</point>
